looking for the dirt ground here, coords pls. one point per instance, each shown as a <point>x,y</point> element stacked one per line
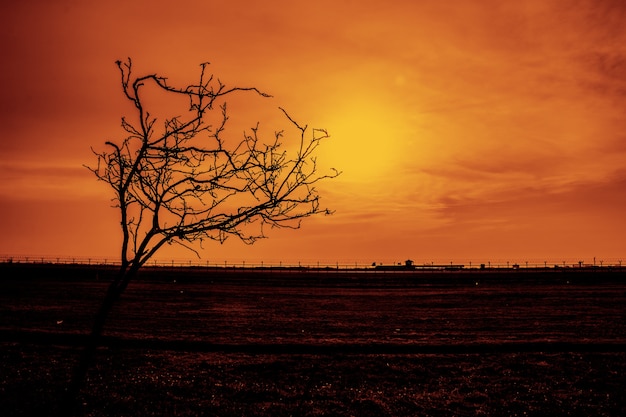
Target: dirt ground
<point>206,344</point>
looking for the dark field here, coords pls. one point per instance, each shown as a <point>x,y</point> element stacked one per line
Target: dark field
<point>198,342</point>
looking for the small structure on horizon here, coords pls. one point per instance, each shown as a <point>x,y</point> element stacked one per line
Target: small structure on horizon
<point>409,265</point>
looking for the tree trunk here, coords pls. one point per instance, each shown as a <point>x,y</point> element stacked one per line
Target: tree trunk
<point>69,403</point>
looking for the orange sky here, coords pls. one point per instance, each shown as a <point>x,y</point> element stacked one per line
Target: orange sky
<point>476,130</point>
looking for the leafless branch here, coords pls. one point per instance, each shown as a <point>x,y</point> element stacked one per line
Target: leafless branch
<point>185,183</point>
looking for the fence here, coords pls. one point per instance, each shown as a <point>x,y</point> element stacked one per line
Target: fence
<point>386,267</point>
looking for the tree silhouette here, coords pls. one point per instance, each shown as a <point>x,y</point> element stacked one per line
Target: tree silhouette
<point>180,180</point>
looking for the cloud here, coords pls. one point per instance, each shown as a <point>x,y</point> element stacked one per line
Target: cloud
<point>32,181</point>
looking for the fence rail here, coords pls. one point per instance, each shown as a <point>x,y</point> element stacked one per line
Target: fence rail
<point>384,267</point>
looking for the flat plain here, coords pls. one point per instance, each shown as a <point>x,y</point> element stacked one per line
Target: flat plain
<point>312,342</point>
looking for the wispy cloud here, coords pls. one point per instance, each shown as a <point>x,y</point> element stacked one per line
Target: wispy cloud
<point>27,181</point>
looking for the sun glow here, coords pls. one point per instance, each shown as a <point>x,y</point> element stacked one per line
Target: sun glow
<point>365,142</point>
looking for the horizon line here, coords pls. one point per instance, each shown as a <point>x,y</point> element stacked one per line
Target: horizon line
<point>466,263</point>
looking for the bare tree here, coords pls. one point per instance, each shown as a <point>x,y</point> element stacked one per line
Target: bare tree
<point>180,180</point>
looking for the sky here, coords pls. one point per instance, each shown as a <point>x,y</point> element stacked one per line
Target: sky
<point>465,130</point>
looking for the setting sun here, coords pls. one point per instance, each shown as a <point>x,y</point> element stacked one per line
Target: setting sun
<point>366,139</point>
